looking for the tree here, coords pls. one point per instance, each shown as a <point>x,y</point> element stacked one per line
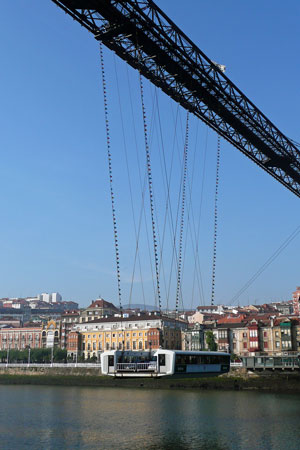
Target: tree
<point>59,355</point>
<point>210,341</point>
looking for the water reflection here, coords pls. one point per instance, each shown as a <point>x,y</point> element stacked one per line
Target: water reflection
<point>46,417</point>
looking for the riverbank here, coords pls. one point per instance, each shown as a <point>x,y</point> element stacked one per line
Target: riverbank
<point>238,381</point>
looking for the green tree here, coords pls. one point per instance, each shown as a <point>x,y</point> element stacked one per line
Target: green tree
<point>59,355</point>
<point>3,354</point>
<point>210,341</point>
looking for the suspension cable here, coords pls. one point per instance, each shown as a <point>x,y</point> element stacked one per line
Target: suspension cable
<point>266,264</point>
<point>179,264</point>
<point>150,186</point>
<point>215,225</point>
<point>108,146</point>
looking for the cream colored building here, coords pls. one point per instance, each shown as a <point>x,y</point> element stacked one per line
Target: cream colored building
<point>141,332</point>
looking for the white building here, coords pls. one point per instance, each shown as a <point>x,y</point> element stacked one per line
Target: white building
<point>55,297</point>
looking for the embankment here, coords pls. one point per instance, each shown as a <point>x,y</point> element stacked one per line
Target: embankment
<point>235,380</point>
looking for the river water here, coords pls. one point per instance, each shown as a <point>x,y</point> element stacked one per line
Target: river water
<point>47,417</point>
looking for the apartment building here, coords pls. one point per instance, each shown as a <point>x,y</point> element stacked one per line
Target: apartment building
<point>141,332</point>
<point>20,338</point>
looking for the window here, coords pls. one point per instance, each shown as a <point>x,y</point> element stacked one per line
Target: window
<point>127,345</point>
<point>222,334</point>
<point>94,345</point>
<point>265,334</point>
<point>140,345</point>
<point>111,360</point>
<point>244,335</point>
<point>162,360</point>
<point>134,334</point>
<point>113,346</point>
<point>134,345</point>
<point>140,334</point>
<point>114,335</point>
<point>245,344</point>
<point>127,334</point>
<point>276,333</point>
<point>277,343</point>
<point>265,345</point>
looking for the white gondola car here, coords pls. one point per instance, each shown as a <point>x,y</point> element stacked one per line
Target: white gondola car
<point>162,363</point>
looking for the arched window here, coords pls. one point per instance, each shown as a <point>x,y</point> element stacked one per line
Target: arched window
<point>140,345</point>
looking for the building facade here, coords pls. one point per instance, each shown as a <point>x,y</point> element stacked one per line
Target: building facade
<point>20,338</point>
<point>98,309</point>
<point>142,332</point>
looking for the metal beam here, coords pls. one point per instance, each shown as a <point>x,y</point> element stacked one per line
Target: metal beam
<point>142,35</point>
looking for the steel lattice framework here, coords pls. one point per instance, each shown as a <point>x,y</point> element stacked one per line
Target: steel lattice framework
<point>140,33</point>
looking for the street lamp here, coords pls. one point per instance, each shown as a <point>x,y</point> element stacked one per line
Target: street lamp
<point>29,354</point>
<point>7,356</point>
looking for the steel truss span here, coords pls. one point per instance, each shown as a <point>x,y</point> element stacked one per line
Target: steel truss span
<point>141,34</point>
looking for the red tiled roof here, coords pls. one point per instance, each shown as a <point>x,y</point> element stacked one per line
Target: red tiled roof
<point>232,319</point>
<point>102,304</point>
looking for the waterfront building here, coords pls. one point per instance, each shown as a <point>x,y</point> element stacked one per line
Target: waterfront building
<point>74,345</point>
<point>266,341</point>
<point>68,320</point>
<point>20,338</point>
<point>51,334</point>
<point>142,332</point>
<point>193,338</point>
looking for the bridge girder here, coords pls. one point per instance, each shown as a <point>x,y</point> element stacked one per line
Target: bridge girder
<point>142,35</point>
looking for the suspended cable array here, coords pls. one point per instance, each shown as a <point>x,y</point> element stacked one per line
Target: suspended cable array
<point>269,261</point>
<point>150,186</point>
<point>215,225</point>
<point>183,193</point>
<point>108,146</point>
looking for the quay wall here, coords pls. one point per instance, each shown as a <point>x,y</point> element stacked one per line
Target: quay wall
<point>51,371</point>
<point>285,382</point>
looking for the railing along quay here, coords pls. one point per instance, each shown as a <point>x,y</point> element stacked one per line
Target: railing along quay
<point>68,365</point>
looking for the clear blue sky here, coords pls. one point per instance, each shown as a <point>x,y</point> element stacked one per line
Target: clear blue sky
<point>56,225</point>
